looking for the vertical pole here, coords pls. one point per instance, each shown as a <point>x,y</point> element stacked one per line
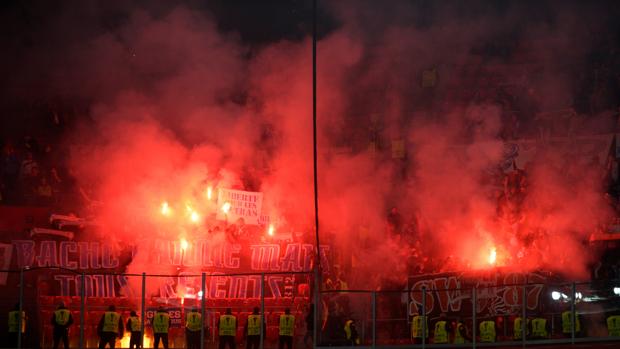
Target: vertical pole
<point>262,309</point>
<point>203,314</point>
<point>474,305</point>
<point>424,329</point>
<point>142,309</point>
<point>572,314</point>
<point>374,318</point>
<point>523,316</point>
<point>20,308</point>
<point>315,317</point>
<point>82,307</point>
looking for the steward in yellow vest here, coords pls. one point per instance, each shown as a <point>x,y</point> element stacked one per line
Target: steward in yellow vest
<point>517,328</point>
<point>287,327</point>
<point>110,327</point>
<point>252,329</point>
<point>350,332</point>
<point>134,326</point>
<point>227,329</point>
<point>161,324</point>
<point>417,327</point>
<point>487,331</point>
<point>16,325</point>
<point>540,328</point>
<point>613,326</point>
<point>441,330</point>
<point>567,323</point>
<point>460,333</point>
<point>61,320</point>
<point>193,324</point>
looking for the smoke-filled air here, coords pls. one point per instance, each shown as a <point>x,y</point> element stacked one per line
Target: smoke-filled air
<point>412,176</point>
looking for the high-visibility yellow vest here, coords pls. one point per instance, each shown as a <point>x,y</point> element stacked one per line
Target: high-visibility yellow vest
<point>539,327</point>
<point>228,325</point>
<point>193,322</point>
<point>61,316</point>
<point>487,331</point>
<point>110,321</point>
<point>14,321</point>
<point>613,325</point>
<point>348,332</point>
<point>161,322</point>
<point>135,323</point>
<point>518,328</point>
<point>441,334</point>
<point>254,325</point>
<point>566,322</point>
<point>287,324</point>
<point>416,326</point>
<point>458,338</point>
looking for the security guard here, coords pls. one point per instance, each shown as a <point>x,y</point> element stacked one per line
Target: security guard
<point>110,327</point>
<point>487,331</point>
<point>134,326</point>
<point>252,329</point>
<point>61,320</point>
<point>193,324</point>
<point>460,333</point>
<point>350,332</point>
<point>287,325</point>
<point>227,329</point>
<point>161,323</point>
<point>567,322</point>
<point>517,328</point>
<point>540,328</point>
<point>416,328</point>
<point>14,325</point>
<point>440,333</point>
<point>613,325</point>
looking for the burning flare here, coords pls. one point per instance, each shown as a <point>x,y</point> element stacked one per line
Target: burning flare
<point>226,207</point>
<point>270,230</point>
<point>184,244</point>
<point>209,193</point>
<point>165,209</point>
<point>493,256</point>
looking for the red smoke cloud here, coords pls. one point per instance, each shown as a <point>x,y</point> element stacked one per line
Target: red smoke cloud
<point>178,106</point>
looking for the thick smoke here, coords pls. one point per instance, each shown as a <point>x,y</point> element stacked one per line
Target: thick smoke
<point>178,106</point>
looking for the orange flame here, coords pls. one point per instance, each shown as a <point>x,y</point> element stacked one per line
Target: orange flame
<point>493,256</point>
<point>165,209</point>
<point>184,244</point>
<point>270,230</point>
<point>209,193</point>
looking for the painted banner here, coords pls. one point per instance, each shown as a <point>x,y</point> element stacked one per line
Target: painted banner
<point>497,293</point>
<point>5,261</point>
<point>239,204</point>
<point>104,266</point>
<point>175,314</point>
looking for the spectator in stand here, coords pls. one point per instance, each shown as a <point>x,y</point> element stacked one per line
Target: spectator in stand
<point>395,222</point>
<point>44,192</point>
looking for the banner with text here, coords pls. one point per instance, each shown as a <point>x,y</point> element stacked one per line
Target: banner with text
<point>239,204</point>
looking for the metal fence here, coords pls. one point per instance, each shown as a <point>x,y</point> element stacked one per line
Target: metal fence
<point>88,296</point>
<point>570,313</point>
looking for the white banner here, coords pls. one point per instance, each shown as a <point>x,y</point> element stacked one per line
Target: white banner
<point>236,204</point>
<point>5,261</point>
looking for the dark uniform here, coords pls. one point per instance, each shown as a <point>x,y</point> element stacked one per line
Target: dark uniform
<point>61,320</point>
<point>110,327</point>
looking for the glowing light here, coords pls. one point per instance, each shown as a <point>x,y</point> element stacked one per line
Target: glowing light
<point>194,217</point>
<point>270,230</point>
<point>165,209</point>
<point>578,295</point>
<point>493,256</point>
<point>127,337</point>
<point>555,295</point>
<point>617,291</point>
<point>182,300</point>
<point>184,244</point>
<point>209,193</point>
<point>226,207</point>
<point>200,294</point>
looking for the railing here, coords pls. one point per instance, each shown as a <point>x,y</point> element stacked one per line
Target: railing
<point>569,313</point>
<point>87,296</point>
